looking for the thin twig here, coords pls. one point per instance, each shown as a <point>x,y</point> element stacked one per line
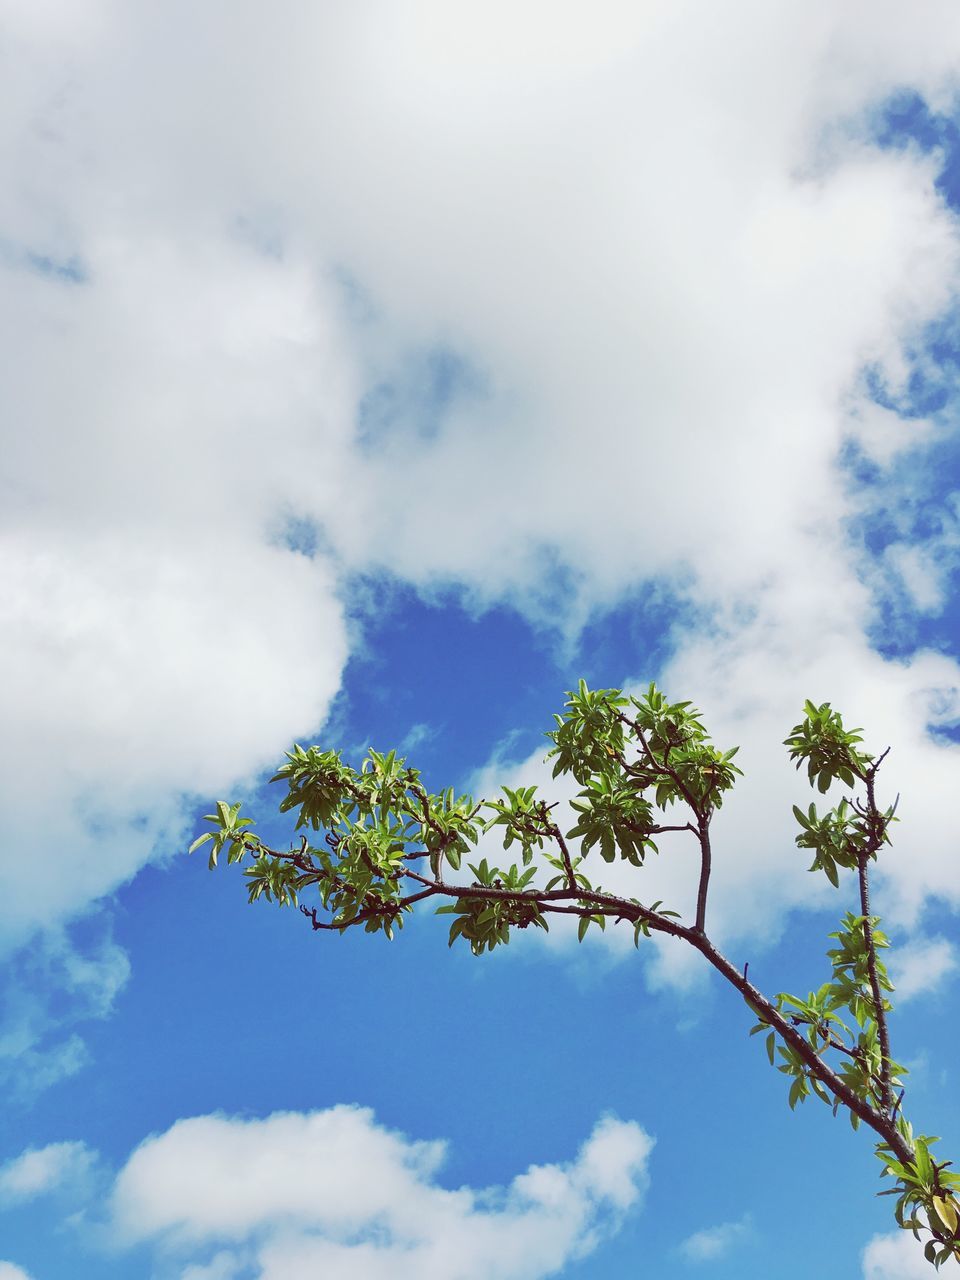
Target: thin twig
<point>877,835</point>
<point>660,766</point>
<point>701,813</point>
<point>706,859</point>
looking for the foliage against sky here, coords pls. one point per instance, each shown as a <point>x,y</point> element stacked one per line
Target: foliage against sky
<point>371,373</point>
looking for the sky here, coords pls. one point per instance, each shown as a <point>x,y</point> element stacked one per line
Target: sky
<point>370,374</point>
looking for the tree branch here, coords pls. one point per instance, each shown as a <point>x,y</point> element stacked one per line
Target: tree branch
<point>661,766</point>
<point>883,1034</point>
<point>393,908</point>
<point>877,831</point>
<point>564,853</point>
<point>705,864</point>
<point>578,901</point>
<point>882,1124</point>
<point>702,829</point>
<point>625,909</point>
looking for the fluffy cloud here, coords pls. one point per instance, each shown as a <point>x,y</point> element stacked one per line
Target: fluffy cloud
<point>43,1169</point>
<point>895,1257</point>
<point>333,1193</point>
<point>221,230</point>
<point>166,634</point>
<point>921,968</point>
<point>9,1271</point>
<point>144,588</point>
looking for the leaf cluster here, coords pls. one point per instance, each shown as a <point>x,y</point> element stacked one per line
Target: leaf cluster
<point>371,817</point>
<point>928,1197</point>
<point>486,922</point>
<point>828,749</point>
<point>839,1020</point>
<point>633,754</point>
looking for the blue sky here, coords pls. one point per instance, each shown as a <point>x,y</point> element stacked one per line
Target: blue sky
<point>372,374</point>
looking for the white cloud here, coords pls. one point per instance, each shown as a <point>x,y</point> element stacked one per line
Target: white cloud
<point>715,1242</point>
<point>333,1193</point>
<point>9,1271</point>
<point>156,629</point>
<point>920,969</point>
<point>716,309</point>
<point>43,1169</point>
<point>921,575</point>
<point>895,1257</point>
<point>663,240</point>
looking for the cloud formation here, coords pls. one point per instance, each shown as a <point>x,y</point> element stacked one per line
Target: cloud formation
<point>662,334</point>
<point>333,1193</point>
<point>10,1271</point>
<point>895,1257</point>
<point>43,1169</point>
<point>923,968</point>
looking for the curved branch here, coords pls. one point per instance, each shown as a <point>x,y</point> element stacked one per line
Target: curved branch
<point>880,1123</point>
<point>578,901</point>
